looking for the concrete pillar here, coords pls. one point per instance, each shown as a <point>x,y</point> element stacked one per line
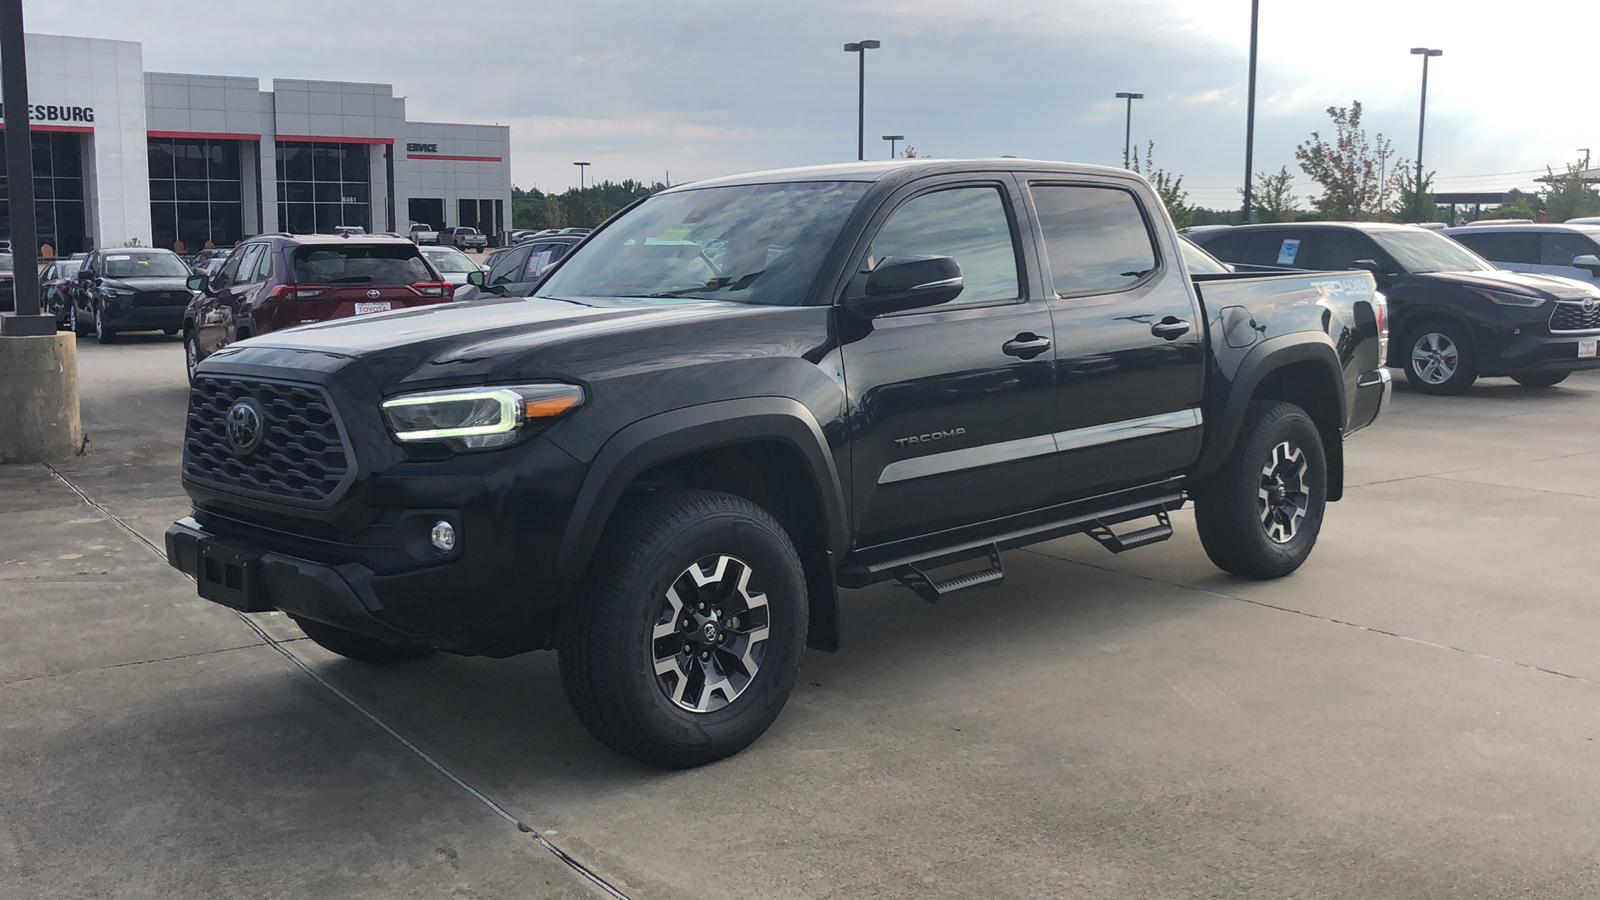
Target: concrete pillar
<point>39,398</point>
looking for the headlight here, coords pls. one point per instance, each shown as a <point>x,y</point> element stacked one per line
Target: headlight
<point>478,418</point>
<point>1510,299</point>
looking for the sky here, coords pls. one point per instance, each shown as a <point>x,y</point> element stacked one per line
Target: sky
<point>703,88</point>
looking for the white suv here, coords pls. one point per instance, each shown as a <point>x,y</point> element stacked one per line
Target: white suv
<point>1571,251</point>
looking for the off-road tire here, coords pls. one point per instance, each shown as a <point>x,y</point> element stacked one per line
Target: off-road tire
<point>358,647</point>
<point>1229,507</point>
<point>604,641</point>
<point>1540,379</point>
<point>1465,371</point>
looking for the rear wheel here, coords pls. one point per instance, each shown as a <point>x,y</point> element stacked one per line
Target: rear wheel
<point>1259,516</point>
<point>358,647</point>
<point>1440,358</point>
<point>1540,379</point>
<point>684,641</point>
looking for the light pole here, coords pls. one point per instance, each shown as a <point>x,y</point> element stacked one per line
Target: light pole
<point>1585,151</point>
<point>28,318</point>
<point>1422,117</point>
<point>860,48</point>
<point>1127,129</point>
<point>1250,111</point>
<point>582,167</point>
<point>891,138</point>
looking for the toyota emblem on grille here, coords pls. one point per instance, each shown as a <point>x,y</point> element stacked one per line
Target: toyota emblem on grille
<point>1589,304</point>
<point>374,293</point>
<point>245,426</point>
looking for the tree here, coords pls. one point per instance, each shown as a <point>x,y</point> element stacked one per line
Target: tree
<point>1517,209</point>
<point>1274,200</point>
<point>1169,187</point>
<point>1356,175</point>
<point>1405,205</point>
<point>1568,196</point>
<point>909,152</point>
<point>551,213</point>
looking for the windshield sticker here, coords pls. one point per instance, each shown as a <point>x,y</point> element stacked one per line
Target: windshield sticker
<point>674,234</point>
<point>1287,253</point>
<point>117,258</point>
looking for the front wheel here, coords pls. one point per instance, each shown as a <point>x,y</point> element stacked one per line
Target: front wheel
<point>1540,379</point>
<point>102,332</point>
<point>191,353</point>
<point>684,641</point>
<point>1440,358</point>
<point>358,647</point>
<point>1260,514</point>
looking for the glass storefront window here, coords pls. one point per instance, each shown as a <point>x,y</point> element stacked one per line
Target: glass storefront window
<point>57,191</point>
<point>322,186</point>
<point>195,189</point>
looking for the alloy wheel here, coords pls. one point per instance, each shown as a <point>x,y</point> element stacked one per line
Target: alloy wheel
<point>1282,499</point>
<point>99,323</point>
<point>710,634</point>
<point>191,354</point>
<point>1435,358</point>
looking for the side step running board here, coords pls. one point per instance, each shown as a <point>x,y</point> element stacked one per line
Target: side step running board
<point>1117,543</point>
<point>931,591</point>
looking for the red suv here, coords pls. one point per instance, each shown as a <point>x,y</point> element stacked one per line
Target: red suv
<point>278,281</point>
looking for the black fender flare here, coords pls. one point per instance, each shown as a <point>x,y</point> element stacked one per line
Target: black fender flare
<point>1266,358</point>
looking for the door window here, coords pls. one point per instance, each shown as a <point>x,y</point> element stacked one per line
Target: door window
<point>229,273</point>
<point>1561,249</point>
<point>542,257</point>
<point>1503,247</point>
<point>969,224</point>
<point>1336,250</point>
<point>1095,239</point>
<point>250,264</point>
<point>505,271</point>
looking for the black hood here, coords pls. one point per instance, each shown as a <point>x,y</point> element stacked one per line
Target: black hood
<point>1527,284</point>
<point>156,283</point>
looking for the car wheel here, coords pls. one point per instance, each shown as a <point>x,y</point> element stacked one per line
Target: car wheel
<point>169,332</point>
<point>191,353</point>
<point>78,328</point>
<point>1540,379</point>
<point>684,641</point>
<point>358,647</point>
<point>102,332</point>
<point>1259,516</point>
<point>1440,358</point>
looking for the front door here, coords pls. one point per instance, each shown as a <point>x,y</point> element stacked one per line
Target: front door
<point>950,405</point>
<point>1557,250</point>
<point>1129,341</point>
<point>217,313</point>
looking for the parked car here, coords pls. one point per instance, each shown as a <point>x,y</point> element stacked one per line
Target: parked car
<point>523,234</point>
<point>515,272</point>
<point>422,233</point>
<point>454,265</point>
<point>1571,251</point>
<point>198,261</point>
<point>55,291</point>
<point>463,238</point>
<point>129,289</point>
<point>8,284</point>
<point>277,281</point>
<point>666,462</point>
<point>1457,316</point>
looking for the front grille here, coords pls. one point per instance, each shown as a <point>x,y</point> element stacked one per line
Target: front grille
<point>302,454</point>
<point>1571,316</point>
<point>161,298</point>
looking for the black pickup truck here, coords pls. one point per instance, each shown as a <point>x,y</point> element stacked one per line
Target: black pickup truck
<point>741,395</point>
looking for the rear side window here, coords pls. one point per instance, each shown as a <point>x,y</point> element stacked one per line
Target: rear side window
<point>1337,250</point>
<point>969,224</point>
<point>360,264</point>
<point>1504,247</point>
<point>1095,238</point>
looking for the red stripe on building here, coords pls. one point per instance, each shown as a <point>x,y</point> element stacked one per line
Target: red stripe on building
<point>70,129</point>
<point>455,158</point>
<point>204,135</point>
<point>324,139</point>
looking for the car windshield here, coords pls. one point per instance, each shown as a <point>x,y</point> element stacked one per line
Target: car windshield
<point>1419,252</point>
<point>1198,261</point>
<point>145,265</point>
<point>450,261</point>
<point>758,243</point>
<point>359,264</point>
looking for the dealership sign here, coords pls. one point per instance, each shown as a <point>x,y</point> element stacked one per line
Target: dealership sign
<point>49,113</point>
<point>422,148</point>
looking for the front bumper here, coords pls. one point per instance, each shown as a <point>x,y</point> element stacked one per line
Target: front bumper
<point>1538,351</point>
<point>120,314</point>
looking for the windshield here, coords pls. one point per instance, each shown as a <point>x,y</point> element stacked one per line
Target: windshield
<point>758,243</point>
<point>450,261</point>
<point>1198,261</point>
<point>360,264</point>
<point>145,265</point>
<point>1420,251</point>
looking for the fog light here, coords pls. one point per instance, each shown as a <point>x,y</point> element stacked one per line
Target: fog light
<point>443,536</point>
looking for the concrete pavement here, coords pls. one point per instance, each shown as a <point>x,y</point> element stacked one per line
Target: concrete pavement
<point>1414,714</point>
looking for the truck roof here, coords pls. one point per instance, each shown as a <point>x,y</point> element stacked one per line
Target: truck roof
<point>901,170</point>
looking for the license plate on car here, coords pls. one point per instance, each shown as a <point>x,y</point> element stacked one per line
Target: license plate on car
<point>364,308</point>
<point>1589,349</point>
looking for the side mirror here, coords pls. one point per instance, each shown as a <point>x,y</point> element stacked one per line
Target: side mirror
<point>477,278</point>
<point>1587,261</point>
<point>197,283</point>
<point>899,283</point>
<point>1371,265</point>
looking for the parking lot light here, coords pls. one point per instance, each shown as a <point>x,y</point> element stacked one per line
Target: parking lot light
<point>582,167</point>
<point>891,138</point>
<point>1127,133</point>
<point>860,48</point>
<point>1422,117</point>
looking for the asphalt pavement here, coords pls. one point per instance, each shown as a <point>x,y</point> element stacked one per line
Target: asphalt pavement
<point>1412,715</point>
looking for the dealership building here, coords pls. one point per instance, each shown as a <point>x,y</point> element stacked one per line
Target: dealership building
<point>125,157</point>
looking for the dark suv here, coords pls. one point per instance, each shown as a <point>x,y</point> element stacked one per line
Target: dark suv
<point>1457,317</point>
<point>516,272</point>
<point>130,289</point>
<point>278,281</point>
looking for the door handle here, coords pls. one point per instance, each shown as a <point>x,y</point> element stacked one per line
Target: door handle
<point>1169,328</point>
<point>1026,345</point>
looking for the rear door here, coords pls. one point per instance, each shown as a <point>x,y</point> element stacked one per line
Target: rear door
<point>1129,342</point>
<point>950,406</point>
